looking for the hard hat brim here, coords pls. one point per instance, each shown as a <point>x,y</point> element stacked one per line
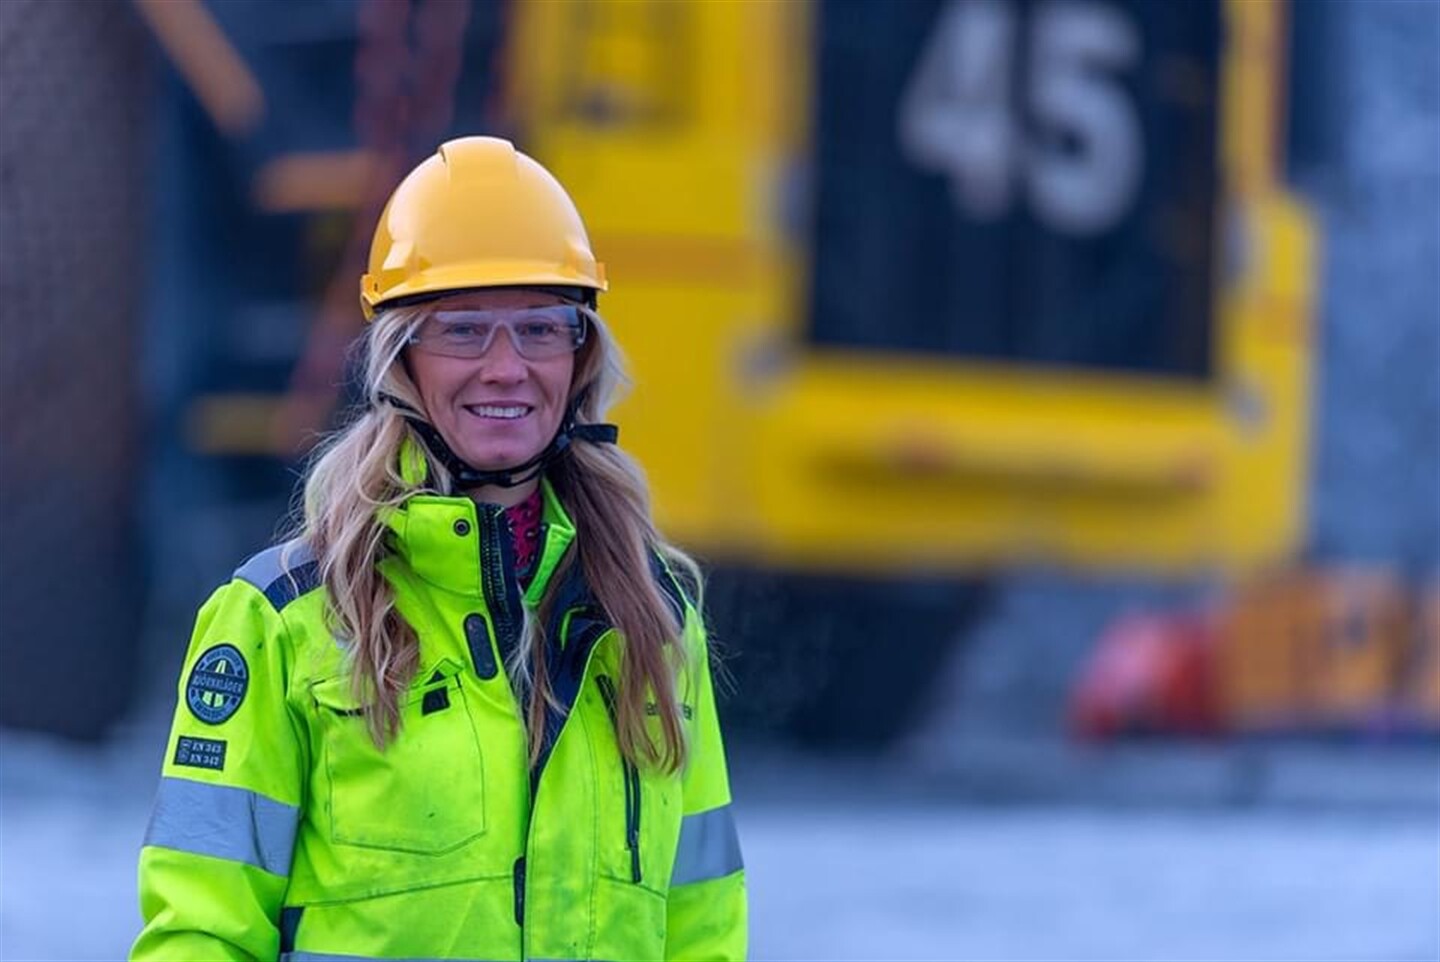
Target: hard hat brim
<point>464,277</point>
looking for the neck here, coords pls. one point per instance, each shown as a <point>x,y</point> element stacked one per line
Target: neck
<point>504,497</point>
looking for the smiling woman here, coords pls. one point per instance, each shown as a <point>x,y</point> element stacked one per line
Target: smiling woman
<point>497,401</point>
<point>512,751</point>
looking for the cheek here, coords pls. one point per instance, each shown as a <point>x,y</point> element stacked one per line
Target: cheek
<point>555,381</point>
<point>432,380</point>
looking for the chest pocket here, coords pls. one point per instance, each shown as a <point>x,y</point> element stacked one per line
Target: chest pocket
<point>425,791</point>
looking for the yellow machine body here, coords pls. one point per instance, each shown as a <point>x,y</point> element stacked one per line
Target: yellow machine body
<point>679,127</point>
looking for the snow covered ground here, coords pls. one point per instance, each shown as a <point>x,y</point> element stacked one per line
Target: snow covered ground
<point>1054,884</point>
<point>844,867</point>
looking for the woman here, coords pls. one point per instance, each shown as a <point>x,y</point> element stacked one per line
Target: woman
<point>467,712</point>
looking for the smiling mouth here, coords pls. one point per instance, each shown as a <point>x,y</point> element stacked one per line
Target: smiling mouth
<point>499,412</point>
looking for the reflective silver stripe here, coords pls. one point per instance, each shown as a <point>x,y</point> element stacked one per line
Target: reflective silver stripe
<point>709,847</point>
<point>270,565</point>
<point>225,822</point>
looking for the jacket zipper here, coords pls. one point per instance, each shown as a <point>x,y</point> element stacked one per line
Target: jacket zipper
<point>632,781</point>
<point>492,579</point>
<point>496,592</point>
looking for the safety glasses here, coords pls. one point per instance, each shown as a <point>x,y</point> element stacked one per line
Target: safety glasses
<point>538,333</point>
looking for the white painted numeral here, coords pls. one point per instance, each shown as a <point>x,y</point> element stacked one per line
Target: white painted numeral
<point>1081,169</point>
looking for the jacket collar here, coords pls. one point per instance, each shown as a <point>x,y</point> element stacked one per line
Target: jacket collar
<point>442,538</point>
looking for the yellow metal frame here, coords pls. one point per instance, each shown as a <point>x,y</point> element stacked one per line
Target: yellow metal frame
<point>676,124</point>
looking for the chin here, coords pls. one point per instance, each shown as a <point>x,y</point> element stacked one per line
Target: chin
<point>493,460</point>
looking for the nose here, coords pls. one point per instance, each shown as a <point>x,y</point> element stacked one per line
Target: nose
<point>502,362</point>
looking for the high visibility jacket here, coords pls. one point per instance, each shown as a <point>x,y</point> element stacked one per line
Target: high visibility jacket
<point>279,829</point>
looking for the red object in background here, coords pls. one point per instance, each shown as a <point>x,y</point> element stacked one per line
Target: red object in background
<point>1149,674</point>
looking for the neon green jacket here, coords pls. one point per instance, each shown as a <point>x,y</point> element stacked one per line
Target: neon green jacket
<point>280,831</point>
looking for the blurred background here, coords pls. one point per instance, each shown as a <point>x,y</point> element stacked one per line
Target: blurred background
<point>1051,390</point>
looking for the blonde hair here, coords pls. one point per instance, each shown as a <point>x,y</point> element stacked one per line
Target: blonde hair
<point>356,475</point>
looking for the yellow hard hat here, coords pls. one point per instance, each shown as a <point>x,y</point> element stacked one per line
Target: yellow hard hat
<point>477,214</point>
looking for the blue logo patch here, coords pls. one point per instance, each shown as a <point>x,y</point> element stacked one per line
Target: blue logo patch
<point>217,684</point>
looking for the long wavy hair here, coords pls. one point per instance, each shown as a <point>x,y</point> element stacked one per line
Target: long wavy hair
<point>356,475</point>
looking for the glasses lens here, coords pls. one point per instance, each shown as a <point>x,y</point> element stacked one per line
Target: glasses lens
<point>537,333</point>
<point>545,332</point>
<point>455,334</point>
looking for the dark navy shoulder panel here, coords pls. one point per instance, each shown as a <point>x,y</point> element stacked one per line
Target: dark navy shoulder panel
<point>282,573</point>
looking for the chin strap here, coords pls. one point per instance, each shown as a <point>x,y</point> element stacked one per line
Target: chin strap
<point>467,476</point>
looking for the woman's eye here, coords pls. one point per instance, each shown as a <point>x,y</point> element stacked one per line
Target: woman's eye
<point>462,332</point>
<point>538,330</point>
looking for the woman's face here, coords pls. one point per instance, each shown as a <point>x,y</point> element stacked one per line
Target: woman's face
<point>501,409</point>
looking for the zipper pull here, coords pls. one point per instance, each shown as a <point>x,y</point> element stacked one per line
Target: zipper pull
<point>520,891</point>
<point>477,637</point>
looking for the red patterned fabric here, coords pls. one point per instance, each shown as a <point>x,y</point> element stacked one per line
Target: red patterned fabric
<point>524,521</point>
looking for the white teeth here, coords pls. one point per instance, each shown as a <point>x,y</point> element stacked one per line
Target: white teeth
<point>493,411</point>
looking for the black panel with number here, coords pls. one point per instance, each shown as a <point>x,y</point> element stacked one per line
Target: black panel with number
<point>1032,182</point>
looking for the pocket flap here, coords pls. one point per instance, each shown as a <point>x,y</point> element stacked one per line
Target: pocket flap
<point>338,695</point>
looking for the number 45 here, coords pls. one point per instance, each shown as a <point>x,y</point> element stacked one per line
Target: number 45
<point>958,114</point>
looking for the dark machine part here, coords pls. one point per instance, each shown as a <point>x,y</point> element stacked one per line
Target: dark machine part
<point>1018,181</point>
<point>833,663</point>
<point>72,91</point>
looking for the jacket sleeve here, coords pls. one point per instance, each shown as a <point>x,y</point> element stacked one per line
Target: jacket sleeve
<point>707,911</point>
<point>216,856</point>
